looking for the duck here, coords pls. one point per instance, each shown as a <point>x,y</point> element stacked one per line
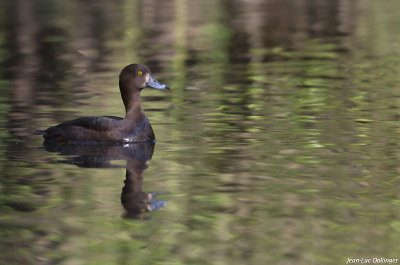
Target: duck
<point>135,127</point>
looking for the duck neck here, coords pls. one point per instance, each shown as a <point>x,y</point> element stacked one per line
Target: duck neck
<point>133,106</point>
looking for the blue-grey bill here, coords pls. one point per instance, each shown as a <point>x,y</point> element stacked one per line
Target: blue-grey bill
<point>155,84</point>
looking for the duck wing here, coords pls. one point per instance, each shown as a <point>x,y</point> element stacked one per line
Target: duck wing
<point>84,128</point>
<point>100,124</point>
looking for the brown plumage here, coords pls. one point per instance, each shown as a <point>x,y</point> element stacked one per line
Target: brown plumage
<point>135,127</point>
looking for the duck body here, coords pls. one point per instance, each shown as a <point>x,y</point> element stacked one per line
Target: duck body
<point>135,127</point>
<point>101,129</point>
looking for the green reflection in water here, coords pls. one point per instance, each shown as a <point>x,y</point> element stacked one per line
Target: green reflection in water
<point>278,152</point>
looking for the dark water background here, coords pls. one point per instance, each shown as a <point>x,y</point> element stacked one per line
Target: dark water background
<point>278,143</point>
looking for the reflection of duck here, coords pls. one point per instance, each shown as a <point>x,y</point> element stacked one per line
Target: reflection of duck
<point>135,127</point>
<point>133,199</point>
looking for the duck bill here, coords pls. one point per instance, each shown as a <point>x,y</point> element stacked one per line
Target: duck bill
<point>155,84</point>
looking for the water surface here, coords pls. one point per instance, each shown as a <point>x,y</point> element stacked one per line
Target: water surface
<point>277,144</point>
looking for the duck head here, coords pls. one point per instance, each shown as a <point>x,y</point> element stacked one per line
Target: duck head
<point>138,76</point>
<point>132,79</point>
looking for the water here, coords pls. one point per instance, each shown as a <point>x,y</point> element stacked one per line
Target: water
<point>277,144</point>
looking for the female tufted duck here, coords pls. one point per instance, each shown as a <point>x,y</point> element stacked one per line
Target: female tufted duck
<point>134,128</point>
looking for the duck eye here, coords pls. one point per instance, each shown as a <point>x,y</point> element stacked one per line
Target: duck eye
<point>140,73</point>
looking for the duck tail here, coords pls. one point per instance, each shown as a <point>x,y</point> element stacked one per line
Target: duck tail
<point>39,132</point>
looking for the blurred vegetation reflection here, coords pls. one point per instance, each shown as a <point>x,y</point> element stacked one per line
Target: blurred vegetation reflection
<point>278,143</point>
